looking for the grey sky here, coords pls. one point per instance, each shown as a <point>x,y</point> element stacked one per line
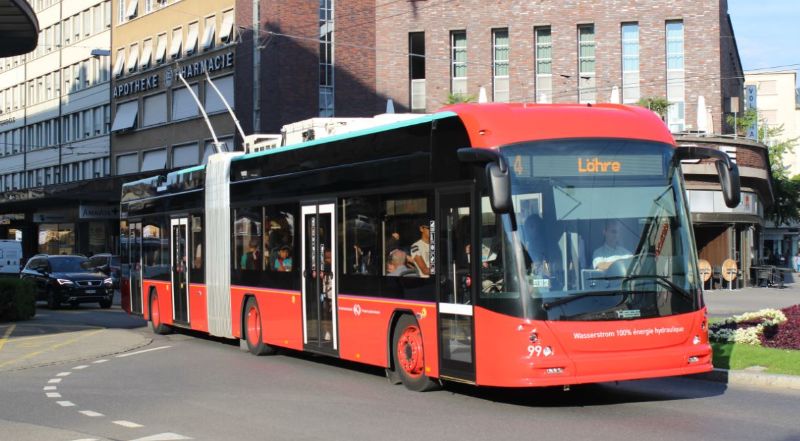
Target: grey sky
<point>767,32</point>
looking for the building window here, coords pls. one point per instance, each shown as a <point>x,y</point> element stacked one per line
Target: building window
<point>191,39</point>
<point>183,105</point>
<point>500,87</point>
<point>177,42</point>
<point>208,33</point>
<point>544,64</point>
<point>161,48</point>
<point>676,94</point>
<point>326,81</point>
<point>147,54</point>
<point>630,63</point>
<point>212,102</point>
<point>130,13</point>
<point>458,62</point>
<point>127,164</point>
<point>155,109</point>
<point>133,57</point>
<point>154,160</point>
<point>119,63</point>
<point>185,155</point>
<point>226,30</point>
<point>587,92</point>
<point>416,64</point>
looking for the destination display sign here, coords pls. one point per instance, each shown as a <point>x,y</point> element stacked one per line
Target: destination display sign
<point>534,166</point>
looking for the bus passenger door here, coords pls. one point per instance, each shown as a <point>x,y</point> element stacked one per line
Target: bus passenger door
<point>455,272</point>
<point>135,266</point>
<point>179,247</point>
<point>318,262</point>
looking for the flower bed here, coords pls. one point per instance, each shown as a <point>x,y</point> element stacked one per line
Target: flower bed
<point>787,334</point>
<point>748,328</point>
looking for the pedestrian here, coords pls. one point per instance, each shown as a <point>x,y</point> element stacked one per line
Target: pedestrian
<point>796,261</point>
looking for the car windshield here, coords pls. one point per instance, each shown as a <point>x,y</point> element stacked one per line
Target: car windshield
<point>603,233</point>
<point>70,264</point>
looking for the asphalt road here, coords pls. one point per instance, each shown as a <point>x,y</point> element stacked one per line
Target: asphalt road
<point>186,387</point>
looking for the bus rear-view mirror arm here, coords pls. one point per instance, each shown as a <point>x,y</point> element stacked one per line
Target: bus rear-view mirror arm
<point>497,178</point>
<point>727,170</point>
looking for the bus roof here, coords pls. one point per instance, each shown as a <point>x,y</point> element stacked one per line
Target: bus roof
<point>496,124</point>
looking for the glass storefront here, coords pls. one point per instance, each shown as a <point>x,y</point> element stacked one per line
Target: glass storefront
<point>57,238</point>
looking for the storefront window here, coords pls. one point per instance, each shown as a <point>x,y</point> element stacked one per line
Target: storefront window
<point>57,238</point>
<point>97,238</point>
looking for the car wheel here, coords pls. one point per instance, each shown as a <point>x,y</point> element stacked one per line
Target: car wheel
<point>53,299</point>
<point>105,304</point>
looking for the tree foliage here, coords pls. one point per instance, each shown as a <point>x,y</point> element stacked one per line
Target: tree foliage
<point>656,104</point>
<point>458,98</point>
<point>786,208</point>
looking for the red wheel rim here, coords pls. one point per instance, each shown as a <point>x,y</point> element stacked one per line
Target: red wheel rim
<point>410,355</point>
<point>155,315</point>
<point>253,326</point>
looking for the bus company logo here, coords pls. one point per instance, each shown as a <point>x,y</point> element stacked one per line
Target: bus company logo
<point>357,310</point>
<point>422,314</point>
<point>595,165</point>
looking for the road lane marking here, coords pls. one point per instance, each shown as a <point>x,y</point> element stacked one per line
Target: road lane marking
<point>53,395</point>
<point>63,374</point>
<point>83,366</point>
<point>65,403</point>
<point>6,334</point>
<point>100,361</point>
<point>49,388</point>
<point>85,439</point>
<point>54,380</point>
<point>128,424</point>
<point>55,346</point>
<point>166,436</point>
<point>91,413</point>
<point>142,352</point>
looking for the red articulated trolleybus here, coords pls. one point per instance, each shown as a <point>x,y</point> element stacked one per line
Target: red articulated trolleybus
<point>503,245</point>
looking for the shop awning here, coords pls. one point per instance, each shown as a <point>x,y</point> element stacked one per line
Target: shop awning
<point>125,119</point>
<point>19,28</point>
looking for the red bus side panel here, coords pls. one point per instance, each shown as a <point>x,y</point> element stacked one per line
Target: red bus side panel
<point>364,329</point>
<point>281,315</point>
<point>198,308</point>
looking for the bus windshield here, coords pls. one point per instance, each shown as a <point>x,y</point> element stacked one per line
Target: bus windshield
<point>603,234</point>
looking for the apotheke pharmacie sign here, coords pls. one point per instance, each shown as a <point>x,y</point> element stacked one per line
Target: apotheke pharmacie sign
<point>151,82</point>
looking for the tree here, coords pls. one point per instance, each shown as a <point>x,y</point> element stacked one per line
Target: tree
<point>786,208</point>
<point>656,104</point>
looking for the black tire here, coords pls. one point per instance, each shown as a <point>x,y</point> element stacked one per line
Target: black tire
<point>407,340</point>
<point>105,304</point>
<point>53,299</point>
<point>252,331</point>
<point>157,326</point>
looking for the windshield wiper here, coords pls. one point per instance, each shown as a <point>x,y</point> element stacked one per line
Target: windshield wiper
<point>665,280</point>
<point>568,299</point>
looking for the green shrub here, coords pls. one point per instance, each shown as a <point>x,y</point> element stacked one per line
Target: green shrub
<point>17,299</point>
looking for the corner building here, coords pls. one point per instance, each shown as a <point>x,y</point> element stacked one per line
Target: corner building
<point>156,122</point>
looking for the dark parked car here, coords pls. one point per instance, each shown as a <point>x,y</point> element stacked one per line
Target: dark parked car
<point>107,264</point>
<point>69,279</point>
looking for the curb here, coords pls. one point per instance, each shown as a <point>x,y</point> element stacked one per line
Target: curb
<point>740,377</point>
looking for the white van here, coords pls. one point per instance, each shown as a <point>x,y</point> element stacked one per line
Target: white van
<point>10,256</point>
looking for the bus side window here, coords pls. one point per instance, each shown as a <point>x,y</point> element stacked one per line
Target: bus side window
<point>359,234</point>
<point>278,244</point>
<point>247,243</point>
<point>196,256</point>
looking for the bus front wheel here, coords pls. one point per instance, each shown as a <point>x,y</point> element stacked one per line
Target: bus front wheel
<point>409,355</point>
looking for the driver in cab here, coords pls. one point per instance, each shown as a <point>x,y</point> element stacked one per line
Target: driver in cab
<point>610,251</point>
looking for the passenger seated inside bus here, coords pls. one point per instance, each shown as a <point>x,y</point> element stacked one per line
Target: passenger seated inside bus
<point>252,258</point>
<point>283,262</point>
<point>398,264</point>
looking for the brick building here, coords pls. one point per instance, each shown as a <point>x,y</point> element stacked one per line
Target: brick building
<point>551,51</point>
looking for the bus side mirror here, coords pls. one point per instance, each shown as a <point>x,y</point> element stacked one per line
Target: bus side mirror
<point>727,170</point>
<point>498,177</point>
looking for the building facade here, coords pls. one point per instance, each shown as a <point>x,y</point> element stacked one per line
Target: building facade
<point>54,132</point>
<point>587,51</point>
<point>156,123</point>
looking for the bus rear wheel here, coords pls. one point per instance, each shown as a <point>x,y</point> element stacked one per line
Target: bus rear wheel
<point>409,355</point>
<point>155,316</point>
<point>252,329</point>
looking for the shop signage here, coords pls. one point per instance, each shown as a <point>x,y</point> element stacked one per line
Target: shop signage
<point>10,120</point>
<point>139,85</point>
<point>52,216</point>
<point>212,64</point>
<point>6,219</point>
<point>99,212</point>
